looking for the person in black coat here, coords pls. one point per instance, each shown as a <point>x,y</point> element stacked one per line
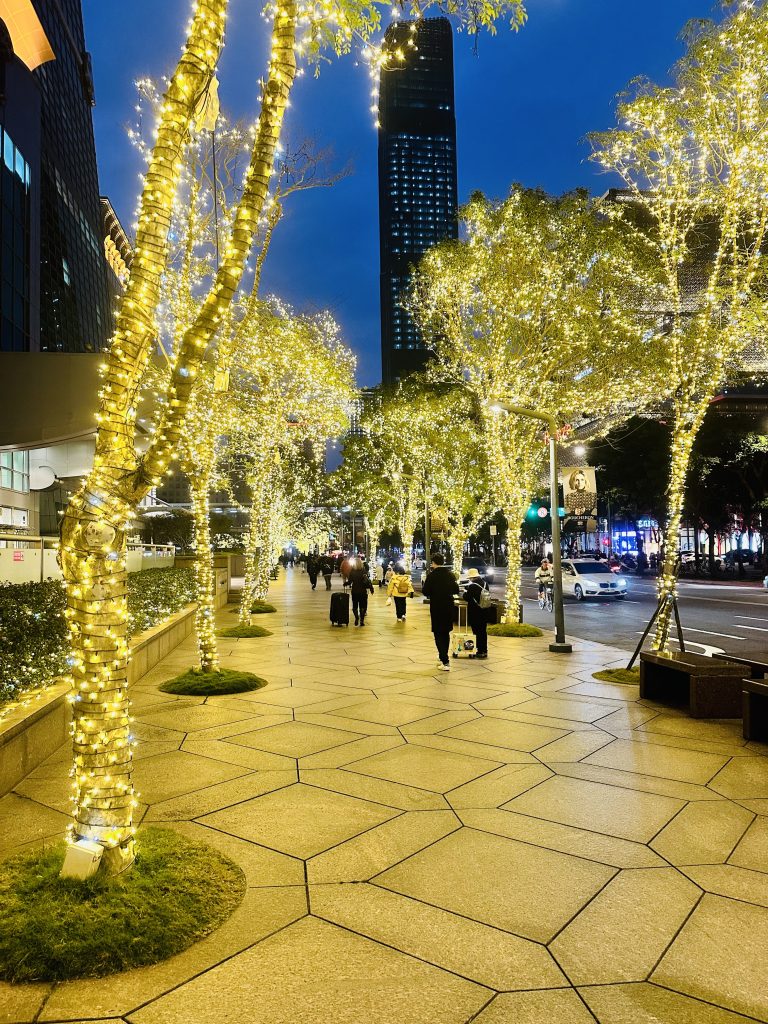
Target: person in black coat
<point>326,568</point>
<point>441,587</point>
<point>359,583</point>
<point>313,567</point>
<point>477,616</point>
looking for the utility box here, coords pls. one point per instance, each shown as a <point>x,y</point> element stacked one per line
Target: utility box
<point>82,859</point>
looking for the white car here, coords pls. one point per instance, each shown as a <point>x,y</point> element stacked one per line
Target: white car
<point>589,578</point>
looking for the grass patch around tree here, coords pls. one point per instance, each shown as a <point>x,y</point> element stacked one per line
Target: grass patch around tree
<point>262,608</point>
<point>194,683</point>
<point>629,676</point>
<point>245,632</point>
<point>259,607</point>
<point>519,629</point>
<point>52,928</point>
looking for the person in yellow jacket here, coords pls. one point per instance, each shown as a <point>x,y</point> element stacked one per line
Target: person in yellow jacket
<point>401,588</point>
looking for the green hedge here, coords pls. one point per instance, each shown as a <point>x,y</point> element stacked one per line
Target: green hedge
<point>33,635</point>
<point>33,630</point>
<point>156,594</point>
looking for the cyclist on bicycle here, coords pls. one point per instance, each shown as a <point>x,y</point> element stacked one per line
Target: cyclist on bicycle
<point>544,576</point>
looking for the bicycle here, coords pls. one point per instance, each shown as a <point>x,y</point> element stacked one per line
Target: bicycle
<point>545,597</point>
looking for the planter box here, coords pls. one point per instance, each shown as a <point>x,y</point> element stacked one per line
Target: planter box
<point>30,734</point>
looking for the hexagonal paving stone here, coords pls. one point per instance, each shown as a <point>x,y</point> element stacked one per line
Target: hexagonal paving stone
<point>719,956</point>
<point>592,805</point>
<point>299,820</point>
<point>544,1007</point>
<point>390,712</point>
<point>742,777</point>
<point>295,739</point>
<point>649,1004</point>
<point>520,888</point>
<point>500,732</point>
<point>425,767</point>
<point>314,972</point>
<point>622,933</point>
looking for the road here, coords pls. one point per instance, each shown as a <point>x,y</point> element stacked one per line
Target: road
<point>716,618</point>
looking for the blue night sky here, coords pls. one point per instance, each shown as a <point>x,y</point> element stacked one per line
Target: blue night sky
<point>523,106</point>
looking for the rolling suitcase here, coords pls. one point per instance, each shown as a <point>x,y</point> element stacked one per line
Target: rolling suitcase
<point>340,609</point>
<point>462,639</point>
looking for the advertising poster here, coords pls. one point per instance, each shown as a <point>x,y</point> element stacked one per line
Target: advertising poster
<point>579,490</point>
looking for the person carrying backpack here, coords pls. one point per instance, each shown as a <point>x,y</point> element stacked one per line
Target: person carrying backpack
<point>401,588</point>
<point>478,598</point>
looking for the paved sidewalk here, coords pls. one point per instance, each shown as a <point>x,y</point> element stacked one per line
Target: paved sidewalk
<point>510,843</point>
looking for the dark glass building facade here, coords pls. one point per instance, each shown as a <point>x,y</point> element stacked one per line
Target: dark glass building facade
<point>67,298</point>
<point>417,176</point>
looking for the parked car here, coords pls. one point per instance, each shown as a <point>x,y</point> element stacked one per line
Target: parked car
<point>588,578</point>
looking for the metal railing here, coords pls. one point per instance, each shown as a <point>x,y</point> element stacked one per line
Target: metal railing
<point>29,559</point>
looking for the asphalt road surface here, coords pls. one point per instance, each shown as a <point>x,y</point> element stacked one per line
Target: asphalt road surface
<point>717,618</point>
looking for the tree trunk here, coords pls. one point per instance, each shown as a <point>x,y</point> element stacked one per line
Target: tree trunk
<point>205,574</point>
<point>93,560</point>
<point>264,561</point>
<point>514,575</point>
<point>682,444</point>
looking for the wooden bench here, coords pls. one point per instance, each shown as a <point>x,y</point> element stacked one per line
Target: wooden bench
<point>708,687</point>
<point>754,698</point>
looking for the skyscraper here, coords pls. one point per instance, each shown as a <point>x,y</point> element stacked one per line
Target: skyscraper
<point>417,176</point>
<point>54,269</point>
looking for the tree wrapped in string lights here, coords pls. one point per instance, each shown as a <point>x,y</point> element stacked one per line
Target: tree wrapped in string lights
<point>417,453</point>
<point>93,535</point>
<point>693,159</point>
<point>292,388</point>
<point>539,307</point>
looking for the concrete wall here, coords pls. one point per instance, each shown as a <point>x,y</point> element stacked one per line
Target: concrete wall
<point>31,734</point>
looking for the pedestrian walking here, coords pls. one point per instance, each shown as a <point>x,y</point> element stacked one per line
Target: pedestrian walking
<point>441,587</point>
<point>326,568</point>
<point>400,588</point>
<point>360,584</point>
<point>313,567</point>
<point>477,611</point>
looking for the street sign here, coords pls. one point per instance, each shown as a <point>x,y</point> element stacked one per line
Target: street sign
<point>493,531</point>
<point>543,512</point>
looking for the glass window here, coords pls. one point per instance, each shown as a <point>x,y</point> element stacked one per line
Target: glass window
<point>20,165</point>
<point>7,151</point>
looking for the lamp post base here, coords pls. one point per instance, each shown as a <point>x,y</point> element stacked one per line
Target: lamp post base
<point>561,648</point>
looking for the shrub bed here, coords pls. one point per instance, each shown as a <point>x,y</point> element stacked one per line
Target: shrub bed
<point>34,642</point>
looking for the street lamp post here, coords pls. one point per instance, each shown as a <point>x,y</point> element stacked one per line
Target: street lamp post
<point>559,646</point>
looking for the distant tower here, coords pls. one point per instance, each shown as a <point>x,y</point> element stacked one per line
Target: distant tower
<point>417,176</point>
